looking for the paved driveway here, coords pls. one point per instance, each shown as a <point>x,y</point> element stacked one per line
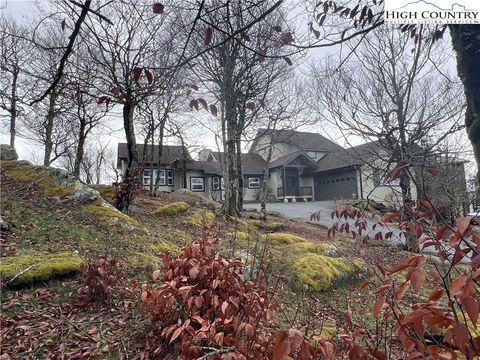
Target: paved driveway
<point>303,210</point>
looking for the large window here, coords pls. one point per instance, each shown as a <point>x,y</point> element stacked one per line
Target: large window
<point>197,184</point>
<point>170,177</point>
<point>215,183</point>
<point>254,182</point>
<point>312,154</point>
<point>162,179</point>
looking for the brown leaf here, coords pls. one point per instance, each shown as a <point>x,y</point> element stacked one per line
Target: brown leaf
<point>213,110</point>
<point>281,348</point>
<point>176,333</point>
<point>418,278</point>
<point>158,8</point>
<point>208,36</point>
<point>457,285</point>
<point>156,275</point>
<point>288,60</point>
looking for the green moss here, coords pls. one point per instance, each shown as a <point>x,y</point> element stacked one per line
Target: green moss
<point>109,213</point>
<point>107,192</point>
<point>141,201</point>
<point>256,223</point>
<point>275,226</point>
<point>34,174</point>
<point>321,272</point>
<point>201,217</point>
<point>307,247</point>
<point>164,246</point>
<point>173,209</point>
<point>142,261</point>
<point>40,267</point>
<point>285,238</point>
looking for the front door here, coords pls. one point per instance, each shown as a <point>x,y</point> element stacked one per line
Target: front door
<point>291,182</point>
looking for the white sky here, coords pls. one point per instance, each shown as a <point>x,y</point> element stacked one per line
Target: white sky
<point>113,131</point>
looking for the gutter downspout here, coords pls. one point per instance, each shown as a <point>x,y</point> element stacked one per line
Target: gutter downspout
<point>361,183</point>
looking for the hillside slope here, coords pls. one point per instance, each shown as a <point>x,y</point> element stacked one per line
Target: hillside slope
<point>55,223</point>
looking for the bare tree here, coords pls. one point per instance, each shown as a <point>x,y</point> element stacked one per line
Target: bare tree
<point>388,92</point>
<point>15,52</point>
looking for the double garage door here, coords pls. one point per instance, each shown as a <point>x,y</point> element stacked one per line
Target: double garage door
<point>336,185</point>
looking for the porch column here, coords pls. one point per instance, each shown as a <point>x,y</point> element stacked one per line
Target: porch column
<point>284,183</point>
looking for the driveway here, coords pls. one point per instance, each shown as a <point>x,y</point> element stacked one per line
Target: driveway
<point>303,210</point>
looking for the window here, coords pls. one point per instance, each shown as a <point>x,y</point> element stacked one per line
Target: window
<point>216,183</point>
<point>146,177</point>
<point>197,184</point>
<point>162,177</point>
<point>254,182</point>
<point>312,154</point>
<point>169,177</point>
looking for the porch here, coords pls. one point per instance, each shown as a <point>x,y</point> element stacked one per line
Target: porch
<point>294,185</point>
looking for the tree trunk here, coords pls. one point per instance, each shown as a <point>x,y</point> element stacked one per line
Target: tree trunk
<point>238,143</point>
<point>466,43</point>
<point>49,129</point>
<point>160,153</point>
<point>13,108</point>
<point>80,148</point>
<point>131,172</point>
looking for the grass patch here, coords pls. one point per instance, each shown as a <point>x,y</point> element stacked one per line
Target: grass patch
<point>173,209</point>
<point>40,267</point>
<point>201,217</point>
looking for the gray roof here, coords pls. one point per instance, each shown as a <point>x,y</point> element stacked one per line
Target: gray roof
<point>353,156</point>
<point>170,153</point>
<point>303,140</point>
<point>284,160</point>
<point>252,164</point>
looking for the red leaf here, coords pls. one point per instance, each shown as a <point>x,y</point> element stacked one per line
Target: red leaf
<point>277,28</point>
<point>261,56</point>
<point>288,60</point>
<point>400,293</point>
<point>208,36</point>
<point>245,36</point>
<point>396,172</point>
<point>213,110</point>
<point>194,87</point>
<point>378,306</point>
<point>115,91</point>
<point>281,348</point>
<point>457,285</point>
<point>262,103</point>
<point>176,333</point>
<point>389,216</point>
<point>434,172</point>
<point>204,103</point>
<point>463,225</point>
<point>287,38</point>
<point>137,71</point>
<point>103,99</point>
<point>194,104</point>
<point>417,278</point>
<point>156,275</point>
<point>435,295</point>
<point>149,76</point>
<point>250,106</point>
<point>472,307</point>
<point>63,24</point>
<point>158,8</point>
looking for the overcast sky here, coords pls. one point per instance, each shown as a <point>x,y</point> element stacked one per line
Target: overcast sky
<point>200,136</point>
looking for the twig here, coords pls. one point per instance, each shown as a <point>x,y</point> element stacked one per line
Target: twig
<point>215,352</point>
<point>20,273</point>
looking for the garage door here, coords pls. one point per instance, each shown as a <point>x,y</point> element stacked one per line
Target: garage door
<point>336,185</point>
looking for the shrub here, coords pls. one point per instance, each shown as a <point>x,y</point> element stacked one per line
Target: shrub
<point>204,306</point>
<point>26,269</point>
<point>173,208</point>
<point>100,277</point>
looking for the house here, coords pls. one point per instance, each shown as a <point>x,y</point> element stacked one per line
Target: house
<point>302,166</point>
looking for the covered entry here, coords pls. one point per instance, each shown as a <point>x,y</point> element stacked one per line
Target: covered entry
<point>336,185</point>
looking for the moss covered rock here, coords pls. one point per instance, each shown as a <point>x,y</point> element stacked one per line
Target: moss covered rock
<point>173,209</point>
<point>111,215</point>
<point>26,269</point>
<point>322,272</point>
<point>274,226</point>
<point>285,238</point>
<point>201,217</point>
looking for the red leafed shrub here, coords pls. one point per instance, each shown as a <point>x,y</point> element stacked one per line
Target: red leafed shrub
<point>100,277</point>
<point>205,307</point>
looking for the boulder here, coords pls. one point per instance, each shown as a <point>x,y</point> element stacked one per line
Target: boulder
<point>7,152</point>
<point>3,225</point>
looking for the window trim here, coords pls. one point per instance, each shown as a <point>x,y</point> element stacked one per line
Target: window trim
<point>203,183</point>
<point>168,177</point>
<point>164,182</point>
<point>311,152</point>
<point>254,187</point>
<point>216,187</point>
<point>146,177</point>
